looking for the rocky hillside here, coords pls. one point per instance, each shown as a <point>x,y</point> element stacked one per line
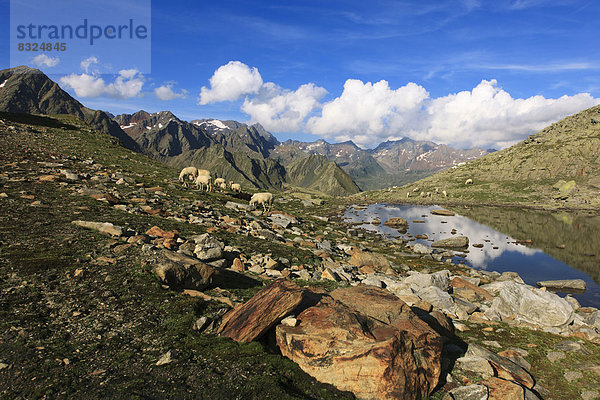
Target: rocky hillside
<point>316,173</point>
<point>30,91</point>
<point>556,167</point>
<point>116,282</point>
<point>391,163</point>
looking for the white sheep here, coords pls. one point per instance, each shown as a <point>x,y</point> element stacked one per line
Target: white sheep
<point>469,181</point>
<point>266,199</point>
<point>407,195</point>
<point>186,173</point>
<point>444,193</point>
<point>219,182</point>
<point>236,187</point>
<point>223,185</point>
<point>204,181</point>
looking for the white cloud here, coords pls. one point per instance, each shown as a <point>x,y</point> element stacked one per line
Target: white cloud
<point>87,63</point>
<point>127,84</point>
<point>280,110</point>
<point>166,92</point>
<point>486,116</point>
<point>369,113</point>
<point>230,82</point>
<point>42,60</point>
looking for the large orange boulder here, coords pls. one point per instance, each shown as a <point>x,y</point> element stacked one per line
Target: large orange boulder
<point>367,341</point>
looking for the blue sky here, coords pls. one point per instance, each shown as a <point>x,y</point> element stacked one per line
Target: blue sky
<point>464,72</point>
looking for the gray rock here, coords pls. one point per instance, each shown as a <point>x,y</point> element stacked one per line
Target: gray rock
<point>282,221</point>
<point>208,248</point>
<point>452,242</point>
<point>421,249</point>
<point>594,320</point>
<point>200,323</point>
<point>439,279</point>
<point>532,306</point>
<point>439,299</point>
<point>554,356</point>
<point>477,365</point>
<point>590,395</point>
<point>237,206</point>
<point>571,376</point>
<point>563,284</point>
<point>471,392</point>
<point>69,175</point>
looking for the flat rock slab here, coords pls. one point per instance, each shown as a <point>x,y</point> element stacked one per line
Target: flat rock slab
<point>452,242</point>
<point>446,213</point>
<point>397,223</point>
<point>563,284</point>
<point>251,320</point>
<point>504,368</point>
<point>500,389</point>
<point>375,260</point>
<point>367,341</point>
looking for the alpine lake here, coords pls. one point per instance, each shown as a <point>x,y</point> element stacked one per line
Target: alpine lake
<point>538,245</point>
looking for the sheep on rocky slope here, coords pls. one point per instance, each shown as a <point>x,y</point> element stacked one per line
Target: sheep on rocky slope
<point>266,199</point>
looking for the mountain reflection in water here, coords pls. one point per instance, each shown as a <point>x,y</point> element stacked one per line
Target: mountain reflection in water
<point>498,229</point>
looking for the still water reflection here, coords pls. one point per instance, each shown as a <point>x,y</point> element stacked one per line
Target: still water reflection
<point>498,230</point>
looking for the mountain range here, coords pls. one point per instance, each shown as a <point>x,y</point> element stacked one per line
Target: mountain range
<point>243,153</point>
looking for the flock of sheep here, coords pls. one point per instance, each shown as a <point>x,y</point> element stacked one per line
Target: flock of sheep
<point>203,180</point>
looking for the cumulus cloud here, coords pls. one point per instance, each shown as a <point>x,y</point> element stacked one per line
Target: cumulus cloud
<point>42,60</point>
<point>230,82</point>
<point>127,84</point>
<point>370,113</point>
<point>486,116</point>
<point>280,110</point>
<point>166,92</point>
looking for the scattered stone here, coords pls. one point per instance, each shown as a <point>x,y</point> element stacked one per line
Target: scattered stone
<point>458,282</point>
<point>500,389</point>
<point>375,260</point>
<point>470,392</point>
<point>396,223</point>
<point>571,376</point>
<point>208,248</point>
<point>167,358</point>
<point>590,395</point>
<point>491,343</point>
<point>443,212</point>
<point>439,279</point>
<point>452,242</point>
<point>102,227</point>
<point>475,364</point>
<point>156,231</point>
<point>516,357</point>
<point>504,368</point>
<point>289,321</point>
<point>421,249</point>
<point>268,307</point>
<point>563,284</point>
<point>532,306</point>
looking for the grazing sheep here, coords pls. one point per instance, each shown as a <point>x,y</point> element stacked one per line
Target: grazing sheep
<point>186,173</point>
<point>219,182</point>
<point>202,181</point>
<point>415,190</point>
<point>223,185</point>
<point>428,194</point>
<point>469,181</point>
<point>444,193</point>
<point>236,187</point>
<point>422,194</point>
<point>407,195</point>
<point>266,199</point>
